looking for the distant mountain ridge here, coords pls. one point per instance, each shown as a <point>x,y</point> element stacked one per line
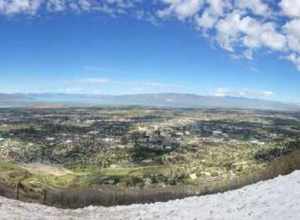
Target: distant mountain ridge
<point>176,100</point>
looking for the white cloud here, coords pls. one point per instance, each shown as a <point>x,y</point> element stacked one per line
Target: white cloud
<point>206,21</point>
<point>245,93</point>
<point>221,92</point>
<point>228,31</point>
<point>292,31</point>
<point>19,6</point>
<point>267,93</point>
<point>294,58</point>
<point>84,5</point>
<point>181,8</point>
<point>95,80</point>
<point>99,85</point>
<point>112,7</point>
<point>214,10</point>
<point>257,7</point>
<point>241,27</point>
<point>249,33</point>
<point>272,39</point>
<point>217,7</point>
<point>290,8</point>
<point>56,5</point>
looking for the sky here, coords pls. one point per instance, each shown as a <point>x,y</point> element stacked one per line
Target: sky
<point>243,48</point>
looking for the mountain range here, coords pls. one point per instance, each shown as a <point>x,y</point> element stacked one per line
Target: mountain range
<point>175,100</point>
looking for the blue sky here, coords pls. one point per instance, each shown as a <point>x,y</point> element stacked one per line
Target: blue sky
<point>123,48</point>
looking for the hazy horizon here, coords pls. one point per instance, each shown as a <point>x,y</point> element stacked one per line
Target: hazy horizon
<point>145,94</point>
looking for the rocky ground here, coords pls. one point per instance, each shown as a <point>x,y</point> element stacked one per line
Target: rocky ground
<point>278,198</point>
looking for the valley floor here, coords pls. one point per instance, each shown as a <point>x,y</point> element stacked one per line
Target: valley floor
<point>278,198</point>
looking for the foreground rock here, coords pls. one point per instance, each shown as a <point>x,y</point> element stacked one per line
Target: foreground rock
<point>278,198</point>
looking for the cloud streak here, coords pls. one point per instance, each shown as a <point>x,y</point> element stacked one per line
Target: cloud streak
<point>241,27</point>
<point>97,81</point>
<point>245,93</point>
<point>102,85</point>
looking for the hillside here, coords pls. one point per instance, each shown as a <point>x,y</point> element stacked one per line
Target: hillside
<point>273,199</point>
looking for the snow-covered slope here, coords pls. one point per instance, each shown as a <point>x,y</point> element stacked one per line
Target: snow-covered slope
<point>278,199</point>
